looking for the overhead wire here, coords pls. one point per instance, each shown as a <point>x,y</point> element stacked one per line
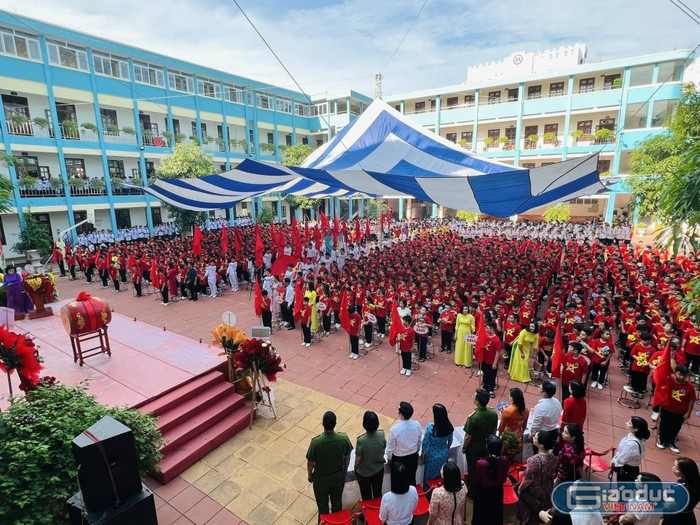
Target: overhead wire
<point>404,36</point>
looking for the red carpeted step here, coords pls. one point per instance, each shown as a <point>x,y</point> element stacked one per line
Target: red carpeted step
<point>171,399</point>
<point>199,417</point>
<point>180,458</point>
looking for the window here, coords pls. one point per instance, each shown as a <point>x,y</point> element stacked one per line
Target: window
<point>27,167</point>
<point>528,165</point>
<point>305,140</point>
<point>148,74</point>
<point>556,89</point>
<point>303,110</point>
<point>452,101</point>
<point>75,168</point>
<point>662,110</point>
<point>586,85</point>
<point>19,45</point>
<point>609,81</point>
<point>111,66</point>
<point>494,97</point>
<point>116,169</point>
<point>603,165</point>
<point>534,92</point>
<point>452,137</point>
<point>208,88</point>
<point>264,101</point>
<point>234,94</point>
<point>670,72</point>
<point>551,128</point>
<point>397,107</point>
<point>467,135</point>
<point>510,133</point>
<point>469,100</point>
<point>156,215</point>
<point>288,139</point>
<point>15,105</point>
<point>641,75</point>
<point>512,95</point>
<point>420,107</point>
<point>320,109</point>
<point>123,217</point>
<point>270,138</point>
<point>284,105</point>
<point>531,130</point>
<point>433,104</point>
<point>180,82</point>
<point>636,116</point>
<point>586,126</point>
<point>606,123</point>
<point>284,211</point>
<point>109,119</point>
<point>494,134</point>
<point>66,55</point>
<point>176,125</point>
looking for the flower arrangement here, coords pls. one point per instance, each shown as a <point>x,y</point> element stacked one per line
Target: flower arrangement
<point>43,286</point>
<point>256,355</point>
<point>18,352</point>
<point>229,338</point>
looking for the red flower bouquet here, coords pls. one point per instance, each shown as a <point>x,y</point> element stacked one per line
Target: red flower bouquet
<point>256,354</point>
<point>18,352</point>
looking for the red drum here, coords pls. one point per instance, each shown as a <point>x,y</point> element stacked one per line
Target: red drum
<point>85,315</point>
<point>322,307</point>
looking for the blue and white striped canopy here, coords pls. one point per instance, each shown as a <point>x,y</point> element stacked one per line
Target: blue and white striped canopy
<point>383,153</point>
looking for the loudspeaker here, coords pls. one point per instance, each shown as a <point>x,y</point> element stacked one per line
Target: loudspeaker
<point>260,332</point>
<point>107,463</point>
<point>139,509</point>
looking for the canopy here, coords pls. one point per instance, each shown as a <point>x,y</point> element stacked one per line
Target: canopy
<point>384,153</point>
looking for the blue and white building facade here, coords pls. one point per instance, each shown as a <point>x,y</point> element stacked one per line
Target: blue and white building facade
<point>86,116</point>
<point>533,109</point>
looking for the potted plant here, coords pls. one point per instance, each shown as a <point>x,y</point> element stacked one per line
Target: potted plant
<point>117,183</point>
<point>511,444</point>
<point>617,83</point>
<point>551,138</point>
<point>98,185</point>
<point>41,123</point>
<point>128,131</point>
<point>194,139</point>
<point>642,228</point>
<point>503,141</point>
<point>243,144</point>
<point>577,134</point>
<point>70,129</point>
<point>488,142</point>
<point>605,174</point>
<point>77,183</point>
<point>221,143</point>
<point>604,136</point>
<point>112,129</point>
<point>34,239</point>
<point>28,182</point>
<point>463,143</point>
<point>179,137</point>
<point>89,126</point>
<point>532,141</point>
<point>18,120</point>
<point>56,184</point>
<point>168,137</point>
<point>138,181</point>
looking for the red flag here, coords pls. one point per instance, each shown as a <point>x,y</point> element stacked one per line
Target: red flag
<point>307,234</point>
<point>381,224</point>
<point>336,231</point>
<point>259,247</point>
<point>296,236</point>
<point>237,240</point>
<point>324,222</point>
<point>131,261</point>
<point>273,234</point>
<point>154,274</point>
<point>299,299</point>
<point>318,237</point>
<point>368,232</point>
<point>482,339</point>
<point>358,230</point>
<point>344,229</point>
<point>54,253</point>
<point>396,325</point>
<point>224,239</point>
<point>558,352</point>
<point>344,315</point>
<point>663,377</point>
<point>197,240</point>
<point>258,298</point>
<point>388,219</point>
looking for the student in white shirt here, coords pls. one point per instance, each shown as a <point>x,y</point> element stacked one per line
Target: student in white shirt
<point>398,505</point>
<point>404,440</point>
<point>630,452</point>
<point>545,414</point>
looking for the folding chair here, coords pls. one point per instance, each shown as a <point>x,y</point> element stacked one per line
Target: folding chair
<point>594,461</point>
<point>342,517</point>
<point>370,511</point>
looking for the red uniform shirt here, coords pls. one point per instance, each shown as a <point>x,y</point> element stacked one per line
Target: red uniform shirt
<point>681,397</point>
<point>492,349</point>
<point>447,321</point>
<point>574,411</point>
<point>573,368</point>
<point>354,322</point>
<point>601,350</point>
<point>641,356</point>
<point>692,341</point>
<point>406,339</point>
<point>305,314</point>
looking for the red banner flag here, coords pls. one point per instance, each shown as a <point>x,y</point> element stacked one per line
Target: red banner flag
<point>558,352</point>
<point>318,237</point>
<point>482,339</point>
<point>388,219</point>
<point>258,298</point>
<point>197,240</point>
<point>131,261</point>
<point>336,230</point>
<point>663,377</point>
<point>298,299</point>
<point>325,225</point>
<point>224,239</point>
<point>237,241</point>
<point>307,233</point>
<point>381,225</point>
<point>154,274</point>
<point>296,236</point>
<point>344,315</point>
<point>259,247</point>
<point>396,325</point>
<point>368,231</point>
<point>358,230</point>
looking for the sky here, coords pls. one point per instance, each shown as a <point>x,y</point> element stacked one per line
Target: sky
<point>333,45</point>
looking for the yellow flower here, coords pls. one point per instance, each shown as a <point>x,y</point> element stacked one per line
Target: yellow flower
<point>227,336</point>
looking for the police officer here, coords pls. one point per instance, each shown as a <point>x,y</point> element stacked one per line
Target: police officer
<point>327,463</point>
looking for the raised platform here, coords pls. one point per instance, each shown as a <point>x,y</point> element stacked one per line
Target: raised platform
<point>145,361</point>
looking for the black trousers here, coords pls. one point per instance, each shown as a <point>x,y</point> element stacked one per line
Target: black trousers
<point>406,360</point>
<point>193,291</point>
<point>306,329</point>
<point>164,294</point>
<point>267,318</point>
<point>290,314</point>
<point>104,275</point>
<point>507,350</point>
<point>326,322</point>
<point>62,267</point>
<point>410,462</point>
<point>638,380</point>
<point>122,274</point>
<point>284,311</point>
<point>422,346</point>
<point>381,325</point>
<point>598,372</point>
<point>446,338</point>
<point>565,393</point>
<point>540,360</point>
<point>670,425</point>
<point>116,285</point>
<point>137,287</point>
<point>336,316</point>
<point>183,289</point>
<point>368,333</point>
<point>71,268</point>
<point>355,344</point>
<point>370,486</point>
<point>693,362</point>
<point>489,376</point>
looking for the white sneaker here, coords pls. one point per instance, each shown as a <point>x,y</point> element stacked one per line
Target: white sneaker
<point>350,356</point>
<point>594,384</point>
<point>308,344</point>
<point>403,371</point>
<point>398,351</point>
<point>303,344</point>
<point>408,372</point>
<point>480,373</point>
<point>654,416</point>
<point>355,356</point>
<point>368,345</point>
<point>600,386</point>
<point>337,325</point>
<point>361,341</point>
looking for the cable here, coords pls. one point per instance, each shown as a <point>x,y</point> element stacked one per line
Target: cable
<point>404,36</point>
<point>686,10</point>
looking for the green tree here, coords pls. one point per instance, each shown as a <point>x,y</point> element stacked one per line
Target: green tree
<point>559,213</point>
<point>295,155</point>
<point>469,216</point>
<point>266,215</point>
<point>186,161</point>
<point>658,158</point>
<point>375,206</point>
<point>6,195</point>
<point>33,236</point>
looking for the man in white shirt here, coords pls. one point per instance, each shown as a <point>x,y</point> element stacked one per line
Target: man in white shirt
<point>545,415</point>
<point>404,441</point>
<point>231,273</point>
<point>288,304</point>
<point>210,274</point>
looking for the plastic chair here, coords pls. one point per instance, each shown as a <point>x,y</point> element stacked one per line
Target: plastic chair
<point>594,461</point>
<point>370,511</point>
<point>343,517</point>
<point>434,483</point>
<point>516,472</point>
<point>423,504</point>
<point>509,495</point>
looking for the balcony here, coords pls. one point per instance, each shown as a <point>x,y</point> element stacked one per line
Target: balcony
<point>86,187</point>
<point>158,141</point>
<point>32,187</point>
<point>116,136</point>
<point>28,129</point>
<point>118,187</point>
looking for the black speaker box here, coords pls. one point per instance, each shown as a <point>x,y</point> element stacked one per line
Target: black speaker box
<point>138,509</point>
<point>112,457</point>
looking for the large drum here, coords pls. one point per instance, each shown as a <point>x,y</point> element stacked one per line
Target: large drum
<point>85,315</point>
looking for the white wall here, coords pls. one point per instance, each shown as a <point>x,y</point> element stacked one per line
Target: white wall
<point>10,224</point>
<point>138,216</point>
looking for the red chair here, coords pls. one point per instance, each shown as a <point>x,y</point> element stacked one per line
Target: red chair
<point>509,495</point>
<point>594,461</point>
<point>343,517</point>
<point>516,472</point>
<point>370,511</point>
<point>434,483</point>
<point>423,504</point>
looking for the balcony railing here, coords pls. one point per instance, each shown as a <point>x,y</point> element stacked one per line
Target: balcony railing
<point>119,137</point>
<point>87,187</point>
<point>119,189</point>
<point>157,141</point>
<point>41,188</point>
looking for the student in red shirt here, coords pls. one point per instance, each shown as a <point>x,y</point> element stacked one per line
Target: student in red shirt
<point>640,356</point>
<point>511,331</point>
<point>447,321</point>
<point>492,353</point>
<point>575,407</point>
<point>574,367</point>
<point>599,352</point>
<point>305,317</point>
<point>405,340</point>
<point>676,410</point>
<point>354,322</point>
<point>545,350</point>
<point>691,345</point>
<point>266,309</point>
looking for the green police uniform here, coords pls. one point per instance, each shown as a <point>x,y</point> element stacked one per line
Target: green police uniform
<point>328,452</point>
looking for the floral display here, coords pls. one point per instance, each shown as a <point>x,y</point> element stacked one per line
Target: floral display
<point>40,285</point>
<point>261,356</point>
<point>18,352</point>
<point>228,337</point>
